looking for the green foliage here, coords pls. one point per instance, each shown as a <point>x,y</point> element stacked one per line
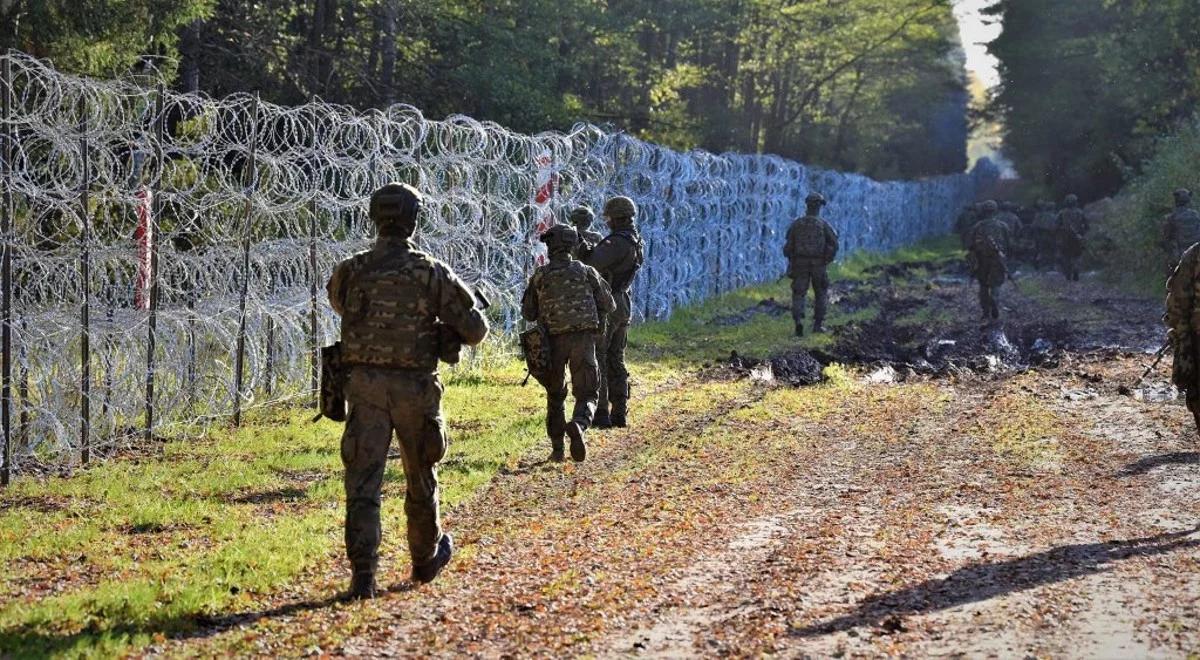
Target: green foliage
<point>97,37</point>
<point>1135,221</point>
<point>1089,86</point>
<point>867,85</point>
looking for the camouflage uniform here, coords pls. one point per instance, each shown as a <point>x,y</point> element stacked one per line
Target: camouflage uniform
<point>392,300</point>
<point>1183,323</point>
<point>1019,246</point>
<point>582,218</point>
<point>570,300</point>
<point>618,258</point>
<point>966,220</point>
<point>1045,234</point>
<point>988,243</point>
<point>1181,227</point>
<point>1072,227</point>
<point>811,246</point>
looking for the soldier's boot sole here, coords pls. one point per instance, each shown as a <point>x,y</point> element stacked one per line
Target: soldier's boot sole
<point>425,573</point>
<point>578,445</point>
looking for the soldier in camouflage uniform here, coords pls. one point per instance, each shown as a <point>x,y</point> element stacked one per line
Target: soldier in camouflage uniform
<point>618,258</point>
<point>811,246</point>
<point>1045,234</point>
<point>966,220</point>
<point>1181,227</point>
<point>1072,228</point>
<point>396,304</point>
<point>987,245</point>
<point>581,218</point>
<point>570,300</point>
<point>1183,323</point>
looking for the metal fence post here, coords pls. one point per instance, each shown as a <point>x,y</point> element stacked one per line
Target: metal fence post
<point>247,215</point>
<point>85,349</point>
<point>314,349</point>
<point>6,235</point>
<point>160,127</point>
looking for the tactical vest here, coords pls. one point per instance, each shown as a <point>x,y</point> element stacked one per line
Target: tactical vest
<point>808,239</point>
<point>1073,220</point>
<point>565,299</point>
<point>389,319</point>
<point>1187,228</point>
<point>624,272</point>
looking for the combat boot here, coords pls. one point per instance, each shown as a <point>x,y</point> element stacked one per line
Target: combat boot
<point>556,451</point>
<point>578,446</point>
<point>601,421</point>
<point>362,587</point>
<point>425,573</point>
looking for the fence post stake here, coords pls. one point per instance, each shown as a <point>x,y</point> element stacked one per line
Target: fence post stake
<point>85,277</point>
<point>314,350</point>
<point>6,235</point>
<point>152,239</point>
<point>240,361</point>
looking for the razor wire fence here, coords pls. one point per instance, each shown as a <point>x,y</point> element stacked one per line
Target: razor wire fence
<point>166,253</point>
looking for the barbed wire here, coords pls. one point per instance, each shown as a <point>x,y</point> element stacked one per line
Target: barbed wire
<point>220,201</point>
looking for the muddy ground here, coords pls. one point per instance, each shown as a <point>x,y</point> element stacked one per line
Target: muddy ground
<point>959,489</point>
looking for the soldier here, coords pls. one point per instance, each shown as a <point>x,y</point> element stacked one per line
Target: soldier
<point>571,301</point>
<point>1181,227</point>
<point>617,258</point>
<point>1072,227</point>
<point>1008,215</point>
<point>987,245</point>
<point>1183,296</point>
<point>966,220</point>
<point>582,218</point>
<point>399,307</point>
<point>811,246</point>
<point>1045,223</point>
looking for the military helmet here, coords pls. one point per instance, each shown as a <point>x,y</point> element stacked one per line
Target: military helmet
<point>990,206</point>
<point>582,215</point>
<point>815,199</point>
<point>1071,200</point>
<point>396,204</point>
<point>560,237</point>
<point>1184,195</point>
<point>620,207</point>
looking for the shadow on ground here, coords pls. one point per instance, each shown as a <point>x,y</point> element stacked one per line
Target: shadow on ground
<point>980,582</point>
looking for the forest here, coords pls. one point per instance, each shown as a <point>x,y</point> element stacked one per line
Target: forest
<point>1092,87</point>
<point>873,86</point>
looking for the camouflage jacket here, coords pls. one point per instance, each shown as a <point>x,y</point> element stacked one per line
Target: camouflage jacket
<point>393,300</point>
<point>618,258</point>
<point>1181,228</point>
<point>567,296</point>
<point>1183,320</point>
<point>994,229</point>
<point>810,240</point>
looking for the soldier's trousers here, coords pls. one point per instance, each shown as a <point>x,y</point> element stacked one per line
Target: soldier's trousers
<point>383,401</point>
<point>802,278</point>
<point>574,352</point>
<point>614,376</point>
<point>989,299</point>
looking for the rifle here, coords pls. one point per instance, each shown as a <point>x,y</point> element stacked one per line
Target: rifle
<point>1157,359</point>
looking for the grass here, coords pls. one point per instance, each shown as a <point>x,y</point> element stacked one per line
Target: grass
<point>142,546</point>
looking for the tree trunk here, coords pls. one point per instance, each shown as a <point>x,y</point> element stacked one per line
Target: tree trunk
<point>189,50</point>
<point>387,73</point>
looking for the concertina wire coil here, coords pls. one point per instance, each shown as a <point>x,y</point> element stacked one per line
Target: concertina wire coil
<point>211,177</point>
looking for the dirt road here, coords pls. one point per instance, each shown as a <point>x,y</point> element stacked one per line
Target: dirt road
<point>957,490</point>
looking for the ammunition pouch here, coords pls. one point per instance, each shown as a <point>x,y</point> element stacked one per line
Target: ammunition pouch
<point>449,344</point>
<point>332,397</point>
<point>535,346</point>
